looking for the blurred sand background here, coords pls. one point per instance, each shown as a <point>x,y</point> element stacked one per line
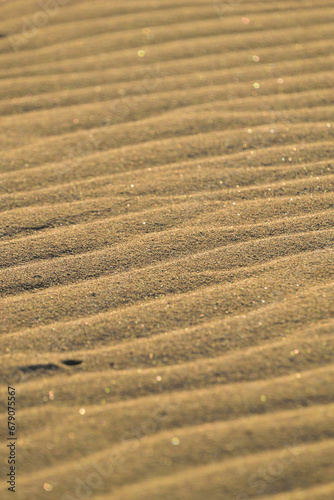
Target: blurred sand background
<point>166,250</point>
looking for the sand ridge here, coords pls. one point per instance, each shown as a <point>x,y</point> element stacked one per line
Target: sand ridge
<point>166,243</point>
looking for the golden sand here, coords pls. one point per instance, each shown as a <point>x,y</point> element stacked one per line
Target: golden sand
<point>166,243</point>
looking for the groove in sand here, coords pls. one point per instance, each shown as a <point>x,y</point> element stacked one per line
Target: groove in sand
<point>166,242</point>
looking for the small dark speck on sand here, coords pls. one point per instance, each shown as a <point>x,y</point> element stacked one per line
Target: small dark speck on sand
<point>72,362</point>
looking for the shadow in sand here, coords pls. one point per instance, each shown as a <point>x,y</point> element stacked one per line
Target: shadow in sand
<point>32,368</point>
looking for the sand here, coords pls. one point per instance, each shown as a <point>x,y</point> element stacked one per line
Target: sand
<point>166,242</point>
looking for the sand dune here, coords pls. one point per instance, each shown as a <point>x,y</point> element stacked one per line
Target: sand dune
<point>166,242</point>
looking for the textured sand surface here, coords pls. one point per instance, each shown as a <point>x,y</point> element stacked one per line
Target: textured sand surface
<point>166,248</point>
